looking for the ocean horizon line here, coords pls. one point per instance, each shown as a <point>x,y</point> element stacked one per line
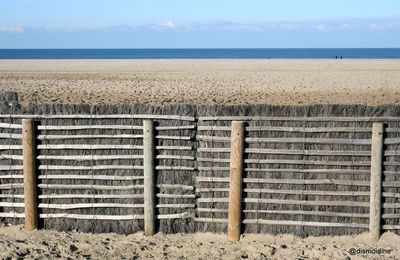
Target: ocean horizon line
<point>202,53</point>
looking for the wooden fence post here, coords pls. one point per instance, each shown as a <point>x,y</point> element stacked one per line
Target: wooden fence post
<point>376,181</point>
<point>29,163</point>
<point>149,177</point>
<point>235,184</point>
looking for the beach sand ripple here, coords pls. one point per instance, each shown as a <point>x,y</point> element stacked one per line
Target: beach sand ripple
<point>203,81</point>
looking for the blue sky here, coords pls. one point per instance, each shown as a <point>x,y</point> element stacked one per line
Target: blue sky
<point>199,24</point>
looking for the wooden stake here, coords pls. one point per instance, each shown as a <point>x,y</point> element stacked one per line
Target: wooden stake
<point>376,181</point>
<point>149,177</point>
<point>29,162</point>
<point>235,185</point>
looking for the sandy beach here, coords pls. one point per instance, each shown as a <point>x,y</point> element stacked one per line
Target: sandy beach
<point>203,81</point>
<point>48,244</point>
<point>161,82</point>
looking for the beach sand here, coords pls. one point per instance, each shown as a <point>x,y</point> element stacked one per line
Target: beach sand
<point>48,244</point>
<point>197,81</point>
<point>203,81</point>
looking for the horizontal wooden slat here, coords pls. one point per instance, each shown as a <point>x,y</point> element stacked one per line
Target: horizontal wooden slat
<point>319,213</point>
<point>10,157</point>
<point>175,186</point>
<point>11,186</point>
<point>348,129</point>
<point>106,147</point>
<point>88,187</point>
<point>287,181</point>
<point>184,148</point>
<point>92,217</point>
<point>310,213</point>
<point>112,217</point>
<point>292,192</point>
<point>291,152</point>
<point>290,140</point>
<point>303,223</point>
<point>315,171</point>
<point>302,119</point>
<point>175,206</point>
<point>298,140</point>
<point>301,202</point>
<point>10,147</point>
<point>391,153</point>
<point>291,129</point>
<point>88,147</point>
<point>285,222</point>
<point>10,126</point>
<point>104,136</point>
<point>391,194</point>
<point>389,215</point>
<point>10,136</point>
<point>65,137</point>
<point>391,227</point>
<point>111,127</point>
<point>89,168</point>
<point>309,202</point>
<point>181,127</point>
<point>12,176</point>
<point>77,196</point>
<point>174,168</point>
<point>291,202</point>
<point>96,116</point>
<point>175,157</point>
<point>90,177</point>
<point>175,196</point>
<point>11,167</point>
<point>88,205</point>
<point>91,196</point>
<point>212,210</point>
<point>12,204</point>
<point>387,205</point>
<point>391,140</point>
<point>11,215</point>
<point>11,196</point>
<point>88,127</point>
<point>211,220</point>
<point>106,157</point>
<point>299,162</point>
<point>90,157</point>
<point>183,215</point>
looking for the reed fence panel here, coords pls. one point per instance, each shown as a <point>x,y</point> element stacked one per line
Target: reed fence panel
<point>306,169</point>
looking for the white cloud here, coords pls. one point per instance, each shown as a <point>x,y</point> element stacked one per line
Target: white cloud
<point>345,26</point>
<point>381,26</point>
<point>168,24</point>
<point>376,26</point>
<point>17,29</point>
<point>321,27</point>
<point>290,26</point>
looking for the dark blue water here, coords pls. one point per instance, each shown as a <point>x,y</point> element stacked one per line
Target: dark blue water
<point>199,53</point>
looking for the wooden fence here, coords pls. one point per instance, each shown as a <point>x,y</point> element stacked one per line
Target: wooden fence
<point>240,172</point>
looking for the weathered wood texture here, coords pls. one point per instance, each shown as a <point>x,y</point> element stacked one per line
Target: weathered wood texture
<point>235,184</point>
<point>376,181</point>
<point>29,162</point>
<point>149,177</point>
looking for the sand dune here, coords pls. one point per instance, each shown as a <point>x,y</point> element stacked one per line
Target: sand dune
<point>203,81</point>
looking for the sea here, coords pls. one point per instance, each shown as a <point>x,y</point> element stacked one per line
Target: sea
<point>348,53</point>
